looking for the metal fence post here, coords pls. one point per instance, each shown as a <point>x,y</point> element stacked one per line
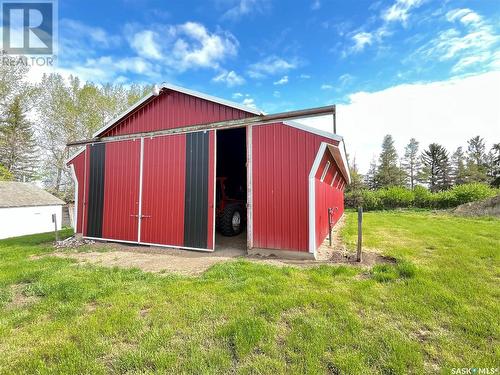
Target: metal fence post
<point>330,225</point>
<point>54,220</point>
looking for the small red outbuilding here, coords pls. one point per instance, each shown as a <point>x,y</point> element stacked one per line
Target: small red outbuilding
<point>149,176</point>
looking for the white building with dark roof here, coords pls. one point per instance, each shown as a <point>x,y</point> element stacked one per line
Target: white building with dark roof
<point>27,209</point>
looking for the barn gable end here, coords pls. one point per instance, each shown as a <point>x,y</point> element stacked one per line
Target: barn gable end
<point>174,108</point>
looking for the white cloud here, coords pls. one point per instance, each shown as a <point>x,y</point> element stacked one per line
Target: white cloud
<point>472,44</point>
<point>196,47</point>
<point>249,102</point>
<point>344,79</point>
<point>146,45</point>
<point>282,81</point>
<point>400,10</point>
<point>246,7</point>
<point>238,95</point>
<point>326,86</point>
<point>230,78</point>
<point>465,16</point>
<point>361,40</point>
<point>181,47</point>
<point>269,66</point>
<point>304,76</point>
<point>447,112</point>
<point>105,69</point>
<point>276,94</point>
<point>316,5</point>
<point>76,31</point>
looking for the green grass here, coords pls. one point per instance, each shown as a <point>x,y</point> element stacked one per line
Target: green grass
<point>435,309</point>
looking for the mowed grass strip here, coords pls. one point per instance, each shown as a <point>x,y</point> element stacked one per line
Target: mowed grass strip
<point>435,309</point>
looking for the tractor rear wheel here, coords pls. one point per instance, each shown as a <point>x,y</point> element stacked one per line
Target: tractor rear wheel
<point>231,220</point>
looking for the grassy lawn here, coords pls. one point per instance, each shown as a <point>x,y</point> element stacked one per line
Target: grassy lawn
<point>436,309</point>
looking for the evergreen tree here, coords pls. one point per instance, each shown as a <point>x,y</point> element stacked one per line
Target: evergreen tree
<point>388,171</point>
<point>458,169</point>
<point>411,162</point>
<point>476,160</point>
<point>370,175</point>
<point>17,142</point>
<point>494,165</point>
<point>436,169</point>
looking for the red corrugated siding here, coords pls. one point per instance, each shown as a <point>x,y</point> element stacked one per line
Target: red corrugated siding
<point>211,184</point>
<point>121,190</point>
<point>163,188</point>
<point>79,165</point>
<point>327,196</point>
<point>173,110</point>
<point>282,157</point>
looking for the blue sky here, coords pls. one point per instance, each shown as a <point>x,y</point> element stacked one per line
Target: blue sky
<point>279,55</point>
<point>410,68</point>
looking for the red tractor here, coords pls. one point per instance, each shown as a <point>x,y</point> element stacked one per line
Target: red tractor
<point>231,212</point>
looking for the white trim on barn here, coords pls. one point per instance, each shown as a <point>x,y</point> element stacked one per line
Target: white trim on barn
<point>312,197</point>
<point>75,180</point>
<point>215,189</point>
<point>141,169</point>
<point>249,188</point>
<point>148,244</point>
<point>298,125</point>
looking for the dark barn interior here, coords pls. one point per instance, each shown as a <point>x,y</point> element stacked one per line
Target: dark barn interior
<point>231,176</point>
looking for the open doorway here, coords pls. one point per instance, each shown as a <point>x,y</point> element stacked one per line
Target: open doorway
<point>231,190</point>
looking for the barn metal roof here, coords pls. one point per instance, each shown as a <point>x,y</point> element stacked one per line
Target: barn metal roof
<point>183,90</point>
<point>21,194</point>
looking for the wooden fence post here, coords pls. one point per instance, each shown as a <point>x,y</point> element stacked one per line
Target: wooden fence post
<point>360,233</point>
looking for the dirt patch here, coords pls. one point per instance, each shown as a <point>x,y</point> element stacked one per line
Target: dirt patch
<point>338,252</point>
<point>19,298</point>
<point>486,207</point>
<point>191,263</point>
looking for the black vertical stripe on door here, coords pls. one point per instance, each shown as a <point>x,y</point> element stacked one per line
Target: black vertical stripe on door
<point>96,190</point>
<point>196,194</point>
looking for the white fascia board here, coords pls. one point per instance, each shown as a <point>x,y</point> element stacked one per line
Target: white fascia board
<point>75,198</point>
<point>312,198</point>
<point>310,129</point>
<point>183,90</point>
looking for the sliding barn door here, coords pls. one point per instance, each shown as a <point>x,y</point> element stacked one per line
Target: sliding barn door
<point>178,190</point>
<point>163,181</point>
<point>113,190</point>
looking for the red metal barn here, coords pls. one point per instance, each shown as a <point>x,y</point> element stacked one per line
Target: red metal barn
<point>150,175</point>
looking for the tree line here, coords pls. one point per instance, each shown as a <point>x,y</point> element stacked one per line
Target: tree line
<point>432,167</point>
<point>37,120</point>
